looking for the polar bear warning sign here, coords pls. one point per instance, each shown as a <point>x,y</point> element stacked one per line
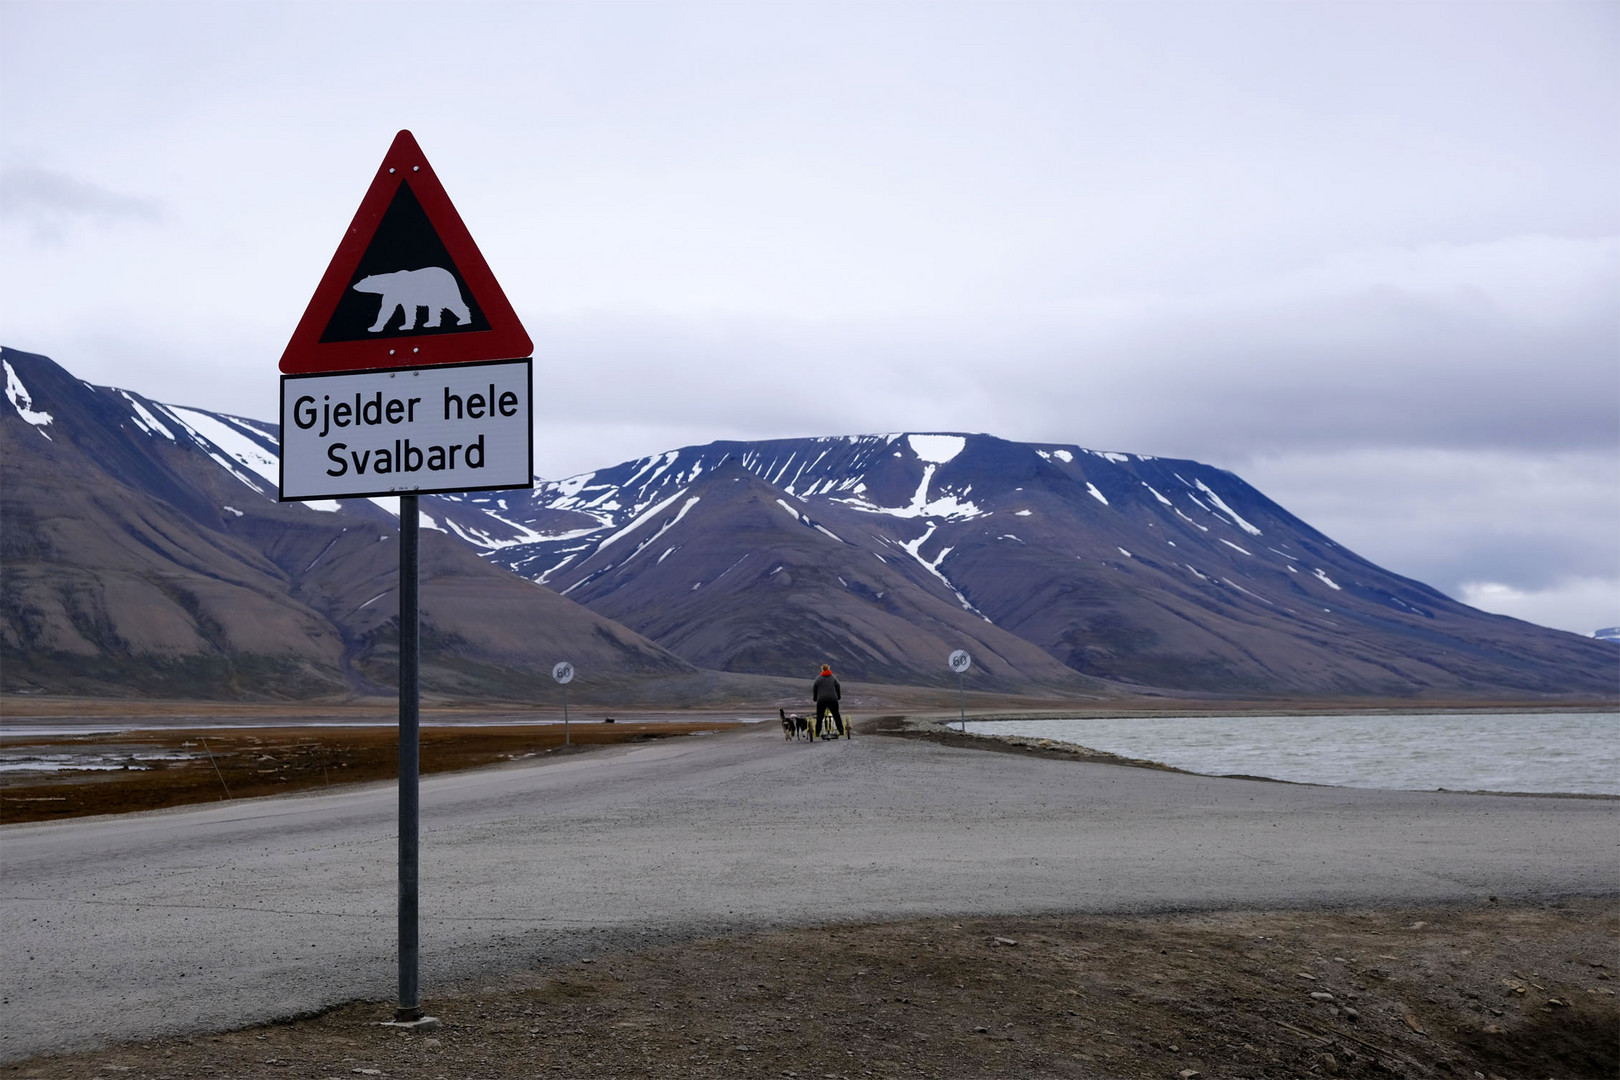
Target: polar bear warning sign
<point>407,287</point>
<point>409,372</point>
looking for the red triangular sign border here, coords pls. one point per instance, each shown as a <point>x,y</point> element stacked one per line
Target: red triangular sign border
<point>504,340</point>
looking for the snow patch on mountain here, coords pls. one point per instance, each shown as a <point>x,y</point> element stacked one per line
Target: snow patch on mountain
<point>23,401</point>
<point>572,486</point>
<point>145,420</point>
<point>227,447</point>
<point>668,525</point>
<point>938,449</point>
<point>662,461</point>
<point>914,549</point>
<point>947,505</point>
<point>639,520</point>
<point>1246,592</point>
<point>243,450</point>
<point>1231,513</point>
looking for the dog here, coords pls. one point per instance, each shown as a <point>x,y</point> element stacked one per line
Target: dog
<point>794,726</point>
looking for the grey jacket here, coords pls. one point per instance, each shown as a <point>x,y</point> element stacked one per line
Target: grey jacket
<point>826,689</point>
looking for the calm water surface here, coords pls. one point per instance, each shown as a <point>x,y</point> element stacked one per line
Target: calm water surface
<point>1546,752</point>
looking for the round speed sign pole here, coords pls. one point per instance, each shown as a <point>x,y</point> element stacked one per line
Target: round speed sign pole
<point>563,672</point>
<point>960,661</point>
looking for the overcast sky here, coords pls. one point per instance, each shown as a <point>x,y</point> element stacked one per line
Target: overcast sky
<point>1367,256</point>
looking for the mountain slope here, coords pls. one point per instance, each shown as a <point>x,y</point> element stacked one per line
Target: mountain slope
<point>731,575</point>
<point>1143,570</point>
<point>143,547</point>
<point>143,550</point>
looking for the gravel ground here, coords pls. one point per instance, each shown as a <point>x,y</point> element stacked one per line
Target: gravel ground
<point>1446,992</point>
<point>696,863</point>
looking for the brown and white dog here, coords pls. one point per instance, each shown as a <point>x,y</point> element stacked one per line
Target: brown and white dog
<point>794,726</point>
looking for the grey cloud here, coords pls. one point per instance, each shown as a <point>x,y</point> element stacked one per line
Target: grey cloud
<point>1376,368</point>
<point>1452,517</point>
<point>49,204</point>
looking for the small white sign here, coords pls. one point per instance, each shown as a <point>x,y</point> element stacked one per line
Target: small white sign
<point>462,427</point>
<point>960,661</point>
<point>563,672</point>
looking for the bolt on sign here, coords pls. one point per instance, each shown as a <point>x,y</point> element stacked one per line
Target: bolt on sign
<point>409,371</point>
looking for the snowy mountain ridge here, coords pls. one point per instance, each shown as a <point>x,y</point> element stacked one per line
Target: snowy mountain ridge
<point>1051,563</point>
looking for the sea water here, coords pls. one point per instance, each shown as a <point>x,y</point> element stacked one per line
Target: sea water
<point>1576,753</point>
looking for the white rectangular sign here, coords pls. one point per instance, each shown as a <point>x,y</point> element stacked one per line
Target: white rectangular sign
<point>459,427</point>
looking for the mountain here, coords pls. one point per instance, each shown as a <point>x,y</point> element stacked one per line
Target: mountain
<point>144,547</point>
<point>1120,567</point>
<point>144,551</point>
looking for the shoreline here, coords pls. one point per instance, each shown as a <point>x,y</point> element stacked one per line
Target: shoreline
<point>938,731</point>
<point>305,757</point>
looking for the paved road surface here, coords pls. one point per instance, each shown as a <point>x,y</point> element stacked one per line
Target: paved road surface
<point>196,919</point>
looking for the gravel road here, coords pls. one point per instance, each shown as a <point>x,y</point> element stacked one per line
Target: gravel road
<point>208,918</point>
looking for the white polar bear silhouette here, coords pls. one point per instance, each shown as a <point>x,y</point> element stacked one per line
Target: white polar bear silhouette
<point>431,287</point>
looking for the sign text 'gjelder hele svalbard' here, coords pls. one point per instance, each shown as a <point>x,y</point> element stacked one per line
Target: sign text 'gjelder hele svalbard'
<point>457,428</point>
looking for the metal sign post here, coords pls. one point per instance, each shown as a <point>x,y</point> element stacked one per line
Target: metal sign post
<point>407,375</point>
<point>410,759</point>
<point>563,672</point>
<point>960,661</point>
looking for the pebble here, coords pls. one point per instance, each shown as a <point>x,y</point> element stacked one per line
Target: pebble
<point>1321,995</point>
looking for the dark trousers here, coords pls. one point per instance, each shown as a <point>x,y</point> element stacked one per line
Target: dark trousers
<point>822,709</point>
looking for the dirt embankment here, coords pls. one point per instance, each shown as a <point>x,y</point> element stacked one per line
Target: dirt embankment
<point>1487,992</point>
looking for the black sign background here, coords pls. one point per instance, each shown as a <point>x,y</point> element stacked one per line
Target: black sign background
<point>405,240</point>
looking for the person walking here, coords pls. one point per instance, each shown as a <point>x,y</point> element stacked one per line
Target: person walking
<point>826,691</point>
